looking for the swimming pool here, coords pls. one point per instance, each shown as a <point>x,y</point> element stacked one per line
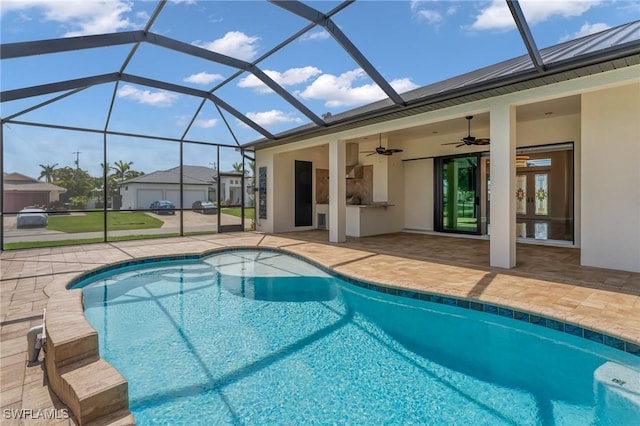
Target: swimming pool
<point>260,337</point>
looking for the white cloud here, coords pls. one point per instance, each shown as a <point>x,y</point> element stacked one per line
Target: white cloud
<point>415,4</point>
<point>402,85</point>
<point>498,17</point>
<point>587,29</point>
<point>428,11</point>
<point>290,77</point>
<point>431,16</point>
<point>206,123</point>
<point>338,91</point>
<point>320,34</point>
<point>272,117</point>
<point>160,99</point>
<point>203,78</point>
<point>182,120</point>
<point>80,17</point>
<point>234,43</point>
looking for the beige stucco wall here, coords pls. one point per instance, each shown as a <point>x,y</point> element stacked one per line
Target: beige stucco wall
<point>548,130</point>
<point>418,195</point>
<point>610,178</point>
<point>281,200</point>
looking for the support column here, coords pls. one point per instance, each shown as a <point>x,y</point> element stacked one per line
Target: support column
<point>503,183</point>
<point>337,191</point>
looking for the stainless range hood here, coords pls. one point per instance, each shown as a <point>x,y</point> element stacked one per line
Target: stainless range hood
<point>354,170</point>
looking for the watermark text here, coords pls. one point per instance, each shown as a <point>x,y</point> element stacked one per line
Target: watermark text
<point>35,414</point>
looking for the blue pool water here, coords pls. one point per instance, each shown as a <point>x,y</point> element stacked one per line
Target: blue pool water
<point>251,337</point>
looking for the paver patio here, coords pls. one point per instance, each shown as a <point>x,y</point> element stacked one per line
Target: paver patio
<point>546,280</point>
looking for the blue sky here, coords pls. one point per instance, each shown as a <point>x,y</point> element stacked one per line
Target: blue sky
<point>411,43</point>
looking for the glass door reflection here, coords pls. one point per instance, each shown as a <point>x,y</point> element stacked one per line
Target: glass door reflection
<point>458,194</point>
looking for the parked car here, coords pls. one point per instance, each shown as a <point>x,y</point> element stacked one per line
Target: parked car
<point>163,207</point>
<point>32,217</point>
<point>204,207</point>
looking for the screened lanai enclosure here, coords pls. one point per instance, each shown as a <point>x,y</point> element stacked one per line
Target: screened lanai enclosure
<point>125,120</point>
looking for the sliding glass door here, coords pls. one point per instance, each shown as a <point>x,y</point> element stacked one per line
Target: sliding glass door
<point>457,194</point>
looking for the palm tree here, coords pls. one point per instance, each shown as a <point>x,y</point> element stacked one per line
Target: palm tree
<point>237,167</point>
<point>47,172</point>
<point>121,170</point>
<point>105,167</point>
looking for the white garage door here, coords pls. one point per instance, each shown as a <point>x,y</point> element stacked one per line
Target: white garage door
<point>144,197</point>
<point>173,195</point>
<point>190,195</point>
<point>193,195</point>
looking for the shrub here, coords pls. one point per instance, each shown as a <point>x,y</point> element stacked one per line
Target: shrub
<point>79,202</point>
<point>57,207</point>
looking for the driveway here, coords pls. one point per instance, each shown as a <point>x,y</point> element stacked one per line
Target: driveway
<point>193,219</point>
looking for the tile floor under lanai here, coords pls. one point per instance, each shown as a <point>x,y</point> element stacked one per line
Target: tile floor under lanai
<point>546,280</point>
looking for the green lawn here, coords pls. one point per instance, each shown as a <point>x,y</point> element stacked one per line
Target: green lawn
<point>93,222</point>
<point>235,211</point>
<point>56,243</point>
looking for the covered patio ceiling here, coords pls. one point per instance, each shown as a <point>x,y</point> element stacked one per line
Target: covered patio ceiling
<point>535,67</point>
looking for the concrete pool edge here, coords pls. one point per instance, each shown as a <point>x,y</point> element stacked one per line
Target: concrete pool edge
<point>615,340</point>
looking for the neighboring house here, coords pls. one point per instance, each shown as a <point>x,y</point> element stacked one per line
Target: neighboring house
<point>21,191</point>
<point>199,183</point>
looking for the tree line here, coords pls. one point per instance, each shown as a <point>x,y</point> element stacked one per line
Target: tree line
<point>81,186</point>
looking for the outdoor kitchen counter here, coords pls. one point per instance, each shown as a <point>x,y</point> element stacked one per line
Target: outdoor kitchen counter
<point>372,205</point>
<point>365,219</point>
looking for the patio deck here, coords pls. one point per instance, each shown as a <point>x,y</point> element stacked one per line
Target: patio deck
<point>546,280</point>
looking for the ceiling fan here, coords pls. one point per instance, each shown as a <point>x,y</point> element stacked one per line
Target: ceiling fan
<point>469,140</point>
<point>381,150</point>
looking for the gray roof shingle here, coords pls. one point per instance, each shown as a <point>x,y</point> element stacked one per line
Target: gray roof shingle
<point>192,175</point>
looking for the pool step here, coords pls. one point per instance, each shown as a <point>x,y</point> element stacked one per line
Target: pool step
<point>96,389</point>
<point>88,385</point>
<point>118,418</point>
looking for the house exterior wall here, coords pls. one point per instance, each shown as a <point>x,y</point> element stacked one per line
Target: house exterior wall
<point>418,195</point>
<point>282,200</point>
<point>611,178</point>
<point>168,192</point>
